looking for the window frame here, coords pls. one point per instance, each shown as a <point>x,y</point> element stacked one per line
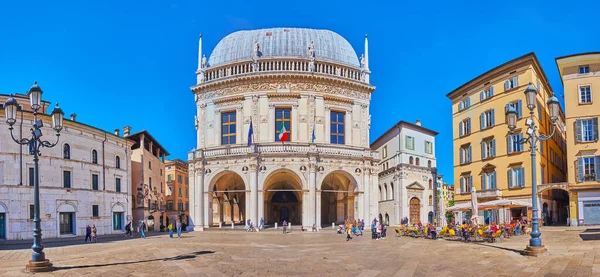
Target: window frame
<point>428,147</point>
<point>95,186</point>
<point>336,123</point>
<point>94,156</point>
<point>589,123</point>
<point>67,179</point>
<point>283,120</point>
<point>117,184</point>
<point>231,137</point>
<point>579,94</point>
<point>95,211</point>
<point>66,151</point>
<point>409,142</point>
<point>589,168</point>
<point>31,178</point>
<point>586,69</point>
<point>118,162</point>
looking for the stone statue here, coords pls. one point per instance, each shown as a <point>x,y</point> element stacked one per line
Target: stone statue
<point>363,76</point>
<point>256,50</point>
<point>311,50</point>
<point>363,61</point>
<point>255,66</point>
<point>203,61</point>
<point>311,65</point>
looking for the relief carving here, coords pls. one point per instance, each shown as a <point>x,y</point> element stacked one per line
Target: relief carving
<point>303,119</point>
<point>320,120</point>
<point>264,119</point>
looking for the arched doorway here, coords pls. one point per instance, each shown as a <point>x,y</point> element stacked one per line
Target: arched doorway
<point>228,193</point>
<point>338,198</point>
<point>430,217</point>
<point>555,206</point>
<point>415,210</point>
<point>283,197</point>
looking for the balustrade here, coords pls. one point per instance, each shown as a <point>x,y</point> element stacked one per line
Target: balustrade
<point>277,148</point>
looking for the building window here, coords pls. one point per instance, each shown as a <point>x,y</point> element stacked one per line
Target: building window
<point>95,211</point>
<point>169,205</point>
<point>385,151</point>
<point>337,128</point>
<point>464,104</point>
<point>187,206</point>
<point>466,183</point>
<point>428,147</point>
<point>428,163</point>
<point>464,127</point>
<point>465,154</point>
<point>150,182</point>
<point>417,161</point>
<point>187,192</point>
<point>31,177</point>
<point>95,181</point>
<point>585,94</point>
<point>513,143</point>
<point>283,117</point>
<point>67,179</point>
<point>543,174</point>
<point>488,180</point>
<point>586,129</point>
<point>187,180</point>
<point>511,83</point>
<point>516,177</point>
<point>228,125</point>
<point>430,184</point>
<point>149,165</point>
<point>118,184</point>
<point>31,212</point>
<point>170,190</point>
<point>118,162</point>
<point>584,69</point>
<point>488,149</point>
<point>410,143</point>
<point>430,200</point>
<point>410,160</point>
<point>518,106</point>
<point>486,93</point>
<point>94,156</point>
<point>486,119</point>
<point>169,178</point>
<point>179,179</point>
<point>588,168</point>
<point>66,151</point>
<point>180,206</point>
<point>180,192</point>
<point>161,187</point>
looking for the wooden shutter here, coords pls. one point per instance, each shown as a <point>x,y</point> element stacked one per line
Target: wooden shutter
<point>482,120</point>
<point>578,130</point>
<point>493,179</point>
<point>470,154</point>
<point>493,121</point>
<point>595,128</point>
<point>522,180</point>
<point>509,144</point>
<point>468,125</point>
<point>506,85</point>
<point>580,171</point>
<point>470,183</point>
<point>481,95</point>
<point>483,176</point>
<point>461,154</point>
<point>468,102</point>
<point>493,148</point>
<point>491,91</point>
<point>519,109</point>
<point>597,169</point>
<point>510,183</point>
<point>460,129</point>
<point>483,154</point>
<point>515,81</point>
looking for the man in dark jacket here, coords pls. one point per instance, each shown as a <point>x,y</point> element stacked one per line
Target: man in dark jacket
<point>88,233</point>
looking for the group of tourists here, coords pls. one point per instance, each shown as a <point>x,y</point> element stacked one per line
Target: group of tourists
<point>350,227</point>
<point>466,230</point>
<point>91,233</point>
<point>177,227</point>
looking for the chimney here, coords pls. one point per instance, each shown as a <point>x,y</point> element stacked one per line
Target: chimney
<point>418,122</point>
<point>126,131</point>
<point>117,132</point>
<point>73,117</point>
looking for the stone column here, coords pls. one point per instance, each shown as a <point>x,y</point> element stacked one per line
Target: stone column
<point>573,207</point>
<point>239,124</point>
<point>271,125</point>
<point>348,127</point>
<point>312,191</point>
<point>295,124</point>
<point>254,193</point>
<point>201,204</point>
<point>397,200</point>
<point>318,209</point>
<point>367,191</point>
<point>327,124</point>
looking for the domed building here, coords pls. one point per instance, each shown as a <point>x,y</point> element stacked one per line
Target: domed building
<point>282,131</point>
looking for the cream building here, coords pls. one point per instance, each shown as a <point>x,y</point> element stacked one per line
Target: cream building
<point>308,81</point>
<point>84,179</point>
<point>406,173</point>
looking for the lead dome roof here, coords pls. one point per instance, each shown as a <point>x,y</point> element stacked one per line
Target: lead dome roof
<point>283,42</point>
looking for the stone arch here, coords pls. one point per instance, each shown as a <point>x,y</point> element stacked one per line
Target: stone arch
<point>296,174</point>
<point>66,207</point>
<point>118,208</point>
<point>338,190</point>
<point>213,177</point>
<point>224,186</point>
<point>66,151</point>
<point>353,179</point>
<point>3,208</point>
<point>387,191</point>
<point>283,191</point>
<point>554,203</point>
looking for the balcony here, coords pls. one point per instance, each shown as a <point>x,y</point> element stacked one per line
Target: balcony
<point>284,149</point>
<point>489,193</point>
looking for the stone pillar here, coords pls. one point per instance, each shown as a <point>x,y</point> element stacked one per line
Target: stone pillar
<point>318,209</point>
<point>239,124</point>
<point>271,125</point>
<point>254,193</point>
<point>217,127</point>
<point>312,191</point>
<point>573,208</point>
<point>348,128</point>
<point>367,191</point>
<point>294,122</point>
<point>201,204</point>
<point>397,201</point>
<point>306,211</point>
<point>328,124</point>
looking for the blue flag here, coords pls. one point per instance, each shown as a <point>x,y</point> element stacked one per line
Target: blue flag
<point>313,135</point>
<point>250,132</point>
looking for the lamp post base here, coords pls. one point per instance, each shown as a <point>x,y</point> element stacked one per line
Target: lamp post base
<point>534,251</point>
<point>43,266</point>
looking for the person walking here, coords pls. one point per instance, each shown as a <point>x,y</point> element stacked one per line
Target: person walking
<point>170,227</point>
<point>94,233</point>
<point>88,233</point>
<point>262,224</point>
<point>284,224</point>
<point>178,225</point>
<point>142,228</point>
<point>128,229</point>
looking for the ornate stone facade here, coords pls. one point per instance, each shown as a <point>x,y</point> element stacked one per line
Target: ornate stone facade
<point>236,175</point>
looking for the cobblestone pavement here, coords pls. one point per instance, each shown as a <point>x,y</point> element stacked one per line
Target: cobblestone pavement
<point>571,252</point>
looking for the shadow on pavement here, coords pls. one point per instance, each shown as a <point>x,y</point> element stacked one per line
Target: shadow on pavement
<point>595,230</point>
<point>176,258</point>
<point>520,252</point>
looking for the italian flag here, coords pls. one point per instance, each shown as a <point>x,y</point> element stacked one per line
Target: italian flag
<point>283,135</point>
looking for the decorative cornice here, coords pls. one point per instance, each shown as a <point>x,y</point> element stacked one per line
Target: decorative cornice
<point>228,99</point>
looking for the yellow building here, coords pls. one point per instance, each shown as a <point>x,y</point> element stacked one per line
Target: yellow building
<point>177,192</point>
<point>580,74</point>
<point>487,156</point>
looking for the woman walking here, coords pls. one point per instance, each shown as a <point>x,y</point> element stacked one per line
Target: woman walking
<point>94,231</point>
<point>170,227</point>
<point>178,225</point>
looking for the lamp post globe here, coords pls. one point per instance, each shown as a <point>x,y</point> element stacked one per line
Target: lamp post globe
<point>554,106</point>
<point>10,108</point>
<point>35,96</point>
<point>57,118</point>
<point>511,117</point>
<point>530,96</point>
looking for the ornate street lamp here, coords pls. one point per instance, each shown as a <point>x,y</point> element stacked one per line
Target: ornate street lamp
<point>535,246</point>
<point>38,262</point>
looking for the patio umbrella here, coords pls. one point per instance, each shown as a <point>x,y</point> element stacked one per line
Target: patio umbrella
<point>474,207</point>
<point>460,207</point>
<point>504,204</point>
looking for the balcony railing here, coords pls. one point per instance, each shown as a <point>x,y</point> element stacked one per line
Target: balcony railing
<point>489,193</point>
<point>278,148</point>
<point>283,65</point>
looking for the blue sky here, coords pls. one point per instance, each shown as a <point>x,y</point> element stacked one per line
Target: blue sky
<point>116,63</point>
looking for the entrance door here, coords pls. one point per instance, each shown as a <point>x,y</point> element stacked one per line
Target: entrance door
<point>66,223</point>
<point>415,210</point>
<point>118,221</point>
<point>284,214</point>
<point>2,226</point>
<point>591,212</point>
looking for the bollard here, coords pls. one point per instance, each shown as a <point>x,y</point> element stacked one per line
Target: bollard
<point>290,226</point>
<point>232,225</point>
<point>220,224</point>
<point>332,225</point>
<point>275,225</point>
